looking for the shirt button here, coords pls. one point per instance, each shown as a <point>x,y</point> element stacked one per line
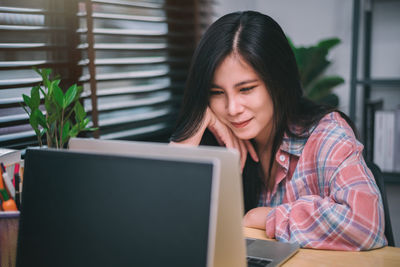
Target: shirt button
<point>282,158</point>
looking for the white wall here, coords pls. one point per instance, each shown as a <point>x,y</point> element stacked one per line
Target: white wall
<point>386,50</point>
<point>308,21</point>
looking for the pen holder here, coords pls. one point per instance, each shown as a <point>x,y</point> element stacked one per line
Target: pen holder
<point>8,238</point>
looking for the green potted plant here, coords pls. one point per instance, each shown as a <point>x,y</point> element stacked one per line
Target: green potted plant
<point>63,116</point>
<point>312,62</point>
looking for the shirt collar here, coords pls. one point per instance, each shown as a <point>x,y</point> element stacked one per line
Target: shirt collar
<point>295,145</point>
<point>290,146</point>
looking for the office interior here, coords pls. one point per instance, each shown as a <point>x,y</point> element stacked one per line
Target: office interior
<point>306,22</point>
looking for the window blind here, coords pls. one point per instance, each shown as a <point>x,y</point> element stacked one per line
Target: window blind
<point>132,58</point>
<point>33,34</point>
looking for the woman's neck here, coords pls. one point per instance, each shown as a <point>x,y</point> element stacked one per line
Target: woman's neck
<point>263,145</point>
<point>263,141</point>
<point>264,151</point>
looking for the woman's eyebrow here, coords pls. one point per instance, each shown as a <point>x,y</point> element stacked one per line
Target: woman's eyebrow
<point>244,82</point>
<point>213,85</point>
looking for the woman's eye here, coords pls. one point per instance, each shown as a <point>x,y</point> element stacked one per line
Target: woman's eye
<point>246,89</point>
<point>216,92</point>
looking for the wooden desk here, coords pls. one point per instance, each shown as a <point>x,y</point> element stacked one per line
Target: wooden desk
<point>387,256</point>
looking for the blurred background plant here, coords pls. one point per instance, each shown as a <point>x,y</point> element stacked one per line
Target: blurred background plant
<point>312,62</point>
<point>64,115</point>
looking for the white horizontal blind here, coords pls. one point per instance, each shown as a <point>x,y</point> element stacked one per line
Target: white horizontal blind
<point>37,33</point>
<point>132,61</point>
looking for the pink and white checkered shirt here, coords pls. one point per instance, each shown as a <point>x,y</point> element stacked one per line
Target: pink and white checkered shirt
<point>324,196</point>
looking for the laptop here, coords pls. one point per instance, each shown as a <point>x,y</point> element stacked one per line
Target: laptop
<point>229,236</point>
<point>95,207</point>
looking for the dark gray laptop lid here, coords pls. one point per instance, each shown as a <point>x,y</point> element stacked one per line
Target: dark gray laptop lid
<point>102,210</point>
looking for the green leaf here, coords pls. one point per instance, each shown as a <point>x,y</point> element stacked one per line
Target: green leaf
<point>78,93</point>
<point>331,100</point>
<point>52,118</point>
<point>33,120</point>
<point>317,61</point>
<point>43,91</point>
<point>45,73</point>
<point>52,85</point>
<point>23,106</point>
<point>80,89</point>
<point>313,62</point>
<point>38,71</point>
<point>315,71</point>
<point>66,132</point>
<point>58,95</point>
<point>74,131</point>
<point>85,122</point>
<point>41,119</point>
<point>91,129</point>
<point>70,95</point>
<point>35,97</point>
<point>324,86</point>
<point>27,101</point>
<point>45,76</point>
<point>327,44</point>
<point>48,105</point>
<point>80,113</point>
<point>56,103</point>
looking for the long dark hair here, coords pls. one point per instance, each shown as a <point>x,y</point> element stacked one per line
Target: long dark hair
<point>261,42</point>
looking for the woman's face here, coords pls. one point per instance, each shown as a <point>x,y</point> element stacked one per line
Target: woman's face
<point>240,99</point>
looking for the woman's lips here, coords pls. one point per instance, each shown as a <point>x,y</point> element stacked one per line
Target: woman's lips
<point>240,124</point>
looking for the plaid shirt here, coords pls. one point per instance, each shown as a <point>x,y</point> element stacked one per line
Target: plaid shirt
<point>324,196</point>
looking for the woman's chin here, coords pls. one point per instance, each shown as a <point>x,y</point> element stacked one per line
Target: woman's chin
<point>244,136</point>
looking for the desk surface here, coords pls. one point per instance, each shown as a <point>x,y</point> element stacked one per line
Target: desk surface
<point>387,256</point>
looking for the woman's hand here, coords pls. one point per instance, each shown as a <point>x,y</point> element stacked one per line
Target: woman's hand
<point>226,137</point>
<point>256,218</point>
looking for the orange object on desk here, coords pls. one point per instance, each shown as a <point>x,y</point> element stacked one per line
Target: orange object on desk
<point>1,180</point>
<point>9,205</point>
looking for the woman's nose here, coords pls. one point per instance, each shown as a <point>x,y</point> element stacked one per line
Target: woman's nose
<point>234,106</point>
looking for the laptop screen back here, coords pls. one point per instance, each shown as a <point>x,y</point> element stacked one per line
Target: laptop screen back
<point>104,210</point>
<point>229,247</point>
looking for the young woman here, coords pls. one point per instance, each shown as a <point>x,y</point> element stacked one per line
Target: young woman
<point>305,179</point>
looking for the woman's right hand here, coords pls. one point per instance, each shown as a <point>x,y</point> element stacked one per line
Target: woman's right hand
<point>227,138</point>
<point>224,136</point>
